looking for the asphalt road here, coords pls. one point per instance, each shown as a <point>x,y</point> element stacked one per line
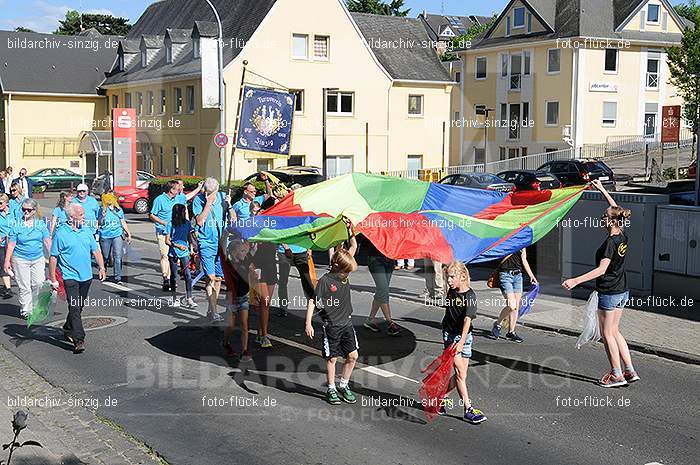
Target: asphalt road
<point>174,391</point>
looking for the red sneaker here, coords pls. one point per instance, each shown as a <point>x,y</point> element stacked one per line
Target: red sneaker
<point>630,376</point>
<point>611,381</point>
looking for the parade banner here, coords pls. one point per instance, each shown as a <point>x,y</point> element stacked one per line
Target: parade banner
<point>266,121</point>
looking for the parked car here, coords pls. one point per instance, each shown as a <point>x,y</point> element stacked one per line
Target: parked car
<point>142,180</point>
<point>135,200</point>
<point>58,178</point>
<point>580,172</point>
<point>289,175</point>
<point>479,181</point>
<point>530,180</point>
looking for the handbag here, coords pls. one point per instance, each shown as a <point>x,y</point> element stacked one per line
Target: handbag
<point>494,281</point>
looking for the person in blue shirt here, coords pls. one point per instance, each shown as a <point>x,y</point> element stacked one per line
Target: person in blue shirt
<point>209,210</point>
<point>90,206</point>
<point>242,207</point>
<point>177,236</point>
<point>112,226</point>
<point>161,214</point>
<point>16,198</point>
<point>25,254</point>
<point>59,216</point>
<point>70,251</point>
<point>5,223</point>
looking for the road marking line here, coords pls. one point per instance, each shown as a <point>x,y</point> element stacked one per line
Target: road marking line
<point>117,286</point>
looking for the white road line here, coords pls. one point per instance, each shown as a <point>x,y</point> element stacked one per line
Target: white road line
<point>117,286</point>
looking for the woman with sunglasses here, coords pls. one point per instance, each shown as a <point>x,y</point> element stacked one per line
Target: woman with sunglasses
<point>112,226</point>
<point>16,197</point>
<point>611,285</point>
<point>25,254</point>
<point>5,224</point>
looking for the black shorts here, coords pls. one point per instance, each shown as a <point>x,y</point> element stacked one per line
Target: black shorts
<point>268,273</point>
<point>338,341</point>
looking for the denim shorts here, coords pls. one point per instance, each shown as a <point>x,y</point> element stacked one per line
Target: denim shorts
<point>448,339</point>
<point>511,283</point>
<point>239,304</point>
<point>610,302</point>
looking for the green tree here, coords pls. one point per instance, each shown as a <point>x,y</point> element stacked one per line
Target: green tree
<point>378,7</point>
<point>461,41</point>
<point>22,29</point>
<point>104,24</point>
<point>684,65</point>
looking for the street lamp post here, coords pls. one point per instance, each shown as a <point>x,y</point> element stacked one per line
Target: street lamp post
<point>324,147</point>
<point>222,91</point>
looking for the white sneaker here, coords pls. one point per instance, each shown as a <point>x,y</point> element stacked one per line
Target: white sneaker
<point>191,303</point>
<point>215,318</point>
<point>175,303</point>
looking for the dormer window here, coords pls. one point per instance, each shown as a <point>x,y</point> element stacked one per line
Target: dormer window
<point>653,14</point>
<point>144,58</point>
<point>120,61</point>
<point>168,52</point>
<point>518,17</point>
<point>196,48</point>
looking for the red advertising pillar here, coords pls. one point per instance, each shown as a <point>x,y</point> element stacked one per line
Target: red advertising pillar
<point>124,148</point>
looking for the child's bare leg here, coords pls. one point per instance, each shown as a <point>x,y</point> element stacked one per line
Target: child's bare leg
<point>330,371</point>
<point>244,329</point>
<point>349,365</point>
<point>461,364</point>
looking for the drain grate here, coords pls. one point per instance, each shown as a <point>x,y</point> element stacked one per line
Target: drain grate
<point>97,322</point>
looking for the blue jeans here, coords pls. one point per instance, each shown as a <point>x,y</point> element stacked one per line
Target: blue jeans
<point>114,245</point>
<point>185,266</point>
<point>511,283</point>
<point>381,269</point>
<point>609,302</point>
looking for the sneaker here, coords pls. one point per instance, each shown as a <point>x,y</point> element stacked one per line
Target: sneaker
<point>496,330</point>
<point>371,325</point>
<point>514,337</point>
<point>175,303</point>
<point>332,397</point>
<point>265,342</point>
<point>166,286</point>
<point>79,347</point>
<point>191,303</point>
<point>610,381</point>
<point>474,416</point>
<point>630,376</point>
<point>5,293</point>
<point>442,410</point>
<point>215,318</point>
<point>246,357</point>
<point>283,312</point>
<point>228,349</point>
<point>393,329</point>
<point>120,282</point>
<point>258,339</point>
<point>347,395</point>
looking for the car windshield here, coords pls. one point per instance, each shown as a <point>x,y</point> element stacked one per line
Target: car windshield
<point>485,178</point>
<point>596,166</point>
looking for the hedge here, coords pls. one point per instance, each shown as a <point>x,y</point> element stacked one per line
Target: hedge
<point>157,186</point>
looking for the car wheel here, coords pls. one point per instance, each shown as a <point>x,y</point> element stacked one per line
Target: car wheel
<point>141,206</point>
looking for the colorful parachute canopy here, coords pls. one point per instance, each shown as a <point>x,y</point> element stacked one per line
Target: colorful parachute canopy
<point>415,219</point>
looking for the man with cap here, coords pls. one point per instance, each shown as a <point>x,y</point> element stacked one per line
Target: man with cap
<point>90,205</point>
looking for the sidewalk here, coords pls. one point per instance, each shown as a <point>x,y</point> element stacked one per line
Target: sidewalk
<point>69,435</point>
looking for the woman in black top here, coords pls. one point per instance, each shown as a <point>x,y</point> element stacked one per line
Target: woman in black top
<point>611,285</point>
<point>510,280</point>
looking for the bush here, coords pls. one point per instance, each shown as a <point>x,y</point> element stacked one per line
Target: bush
<point>157,187</point>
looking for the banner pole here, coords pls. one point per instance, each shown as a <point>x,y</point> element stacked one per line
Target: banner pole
<point>231,171</point>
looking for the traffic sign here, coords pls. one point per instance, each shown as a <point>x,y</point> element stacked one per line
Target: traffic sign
<point>221,140</point>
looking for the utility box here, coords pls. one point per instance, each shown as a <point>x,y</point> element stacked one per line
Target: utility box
<point>677,240</point>
<point>581,233</point>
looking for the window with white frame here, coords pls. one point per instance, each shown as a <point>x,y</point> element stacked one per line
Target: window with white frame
<point>527,60</point>
<point>176,162</point>
<point>264,164</point>
<point>178,100</point>
<point>552,114</point>
<point>480,68</point>
<point>340,103</point>
<point>139,103</point>
<point>516,63</point>
<point>518,17</point>
<point>300,46</point>
<point>127,100</point>
<point>504,114</point>
<point>296,160</point>
<point>504,65</point>
<point>192,161</point>
<point>162,102</point>
<point>501,153</point>
<point>414,164</point>
<point>415,105</point>
<point>650,119</point>
<point>514,121</point>
<point>321,48</point>
<point>479,155</point>
<point>190,99</point>
<point>298,101</point>
<point>458,77</point>
<point>161,160</point>
<point>653,63</point>
<point>609,113</point>
<point>611,58</point>
<point>150,102</point>
<point>479,110</point>
<point>115,102</point>
<point>338,165</point>
<point>553,60</point>
<point>653,12</point>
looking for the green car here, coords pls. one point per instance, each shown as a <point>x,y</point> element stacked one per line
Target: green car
<point>59,178</point>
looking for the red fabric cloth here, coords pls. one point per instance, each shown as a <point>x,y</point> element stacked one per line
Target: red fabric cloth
<point>434,385</point>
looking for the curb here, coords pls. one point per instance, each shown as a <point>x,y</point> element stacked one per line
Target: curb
<point>662,352</point>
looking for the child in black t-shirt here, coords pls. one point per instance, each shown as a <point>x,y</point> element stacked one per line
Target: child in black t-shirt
<point>460,311</point>
<point>332,295</point>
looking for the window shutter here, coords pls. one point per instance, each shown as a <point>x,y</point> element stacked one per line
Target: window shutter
<point>642,19</point>
<point>529,23</point>
<point>507,26</point>
<point>664,22</point>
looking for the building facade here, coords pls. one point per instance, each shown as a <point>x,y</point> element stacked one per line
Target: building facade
<point>387,95</point>
<point>554,74</point>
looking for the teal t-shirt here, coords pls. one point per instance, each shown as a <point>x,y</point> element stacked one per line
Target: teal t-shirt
<point>209,234</point>
<point>163,208</point>
<point>111,223</point>
<point>73,248</point>
<point>179,235</point>
<point>92,209</point>
<point>29,239</point>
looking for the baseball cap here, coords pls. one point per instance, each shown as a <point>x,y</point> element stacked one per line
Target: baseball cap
<point>82,187</point>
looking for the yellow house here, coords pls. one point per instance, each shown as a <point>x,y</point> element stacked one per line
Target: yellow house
<point>554,74</point>
<point>49,95</point>
<point>387,94</point>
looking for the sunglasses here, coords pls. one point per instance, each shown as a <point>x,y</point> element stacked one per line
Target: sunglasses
<point>82,191</point>
<point>25,210</point>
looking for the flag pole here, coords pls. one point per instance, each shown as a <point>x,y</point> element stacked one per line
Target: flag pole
<point>231,171</point>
